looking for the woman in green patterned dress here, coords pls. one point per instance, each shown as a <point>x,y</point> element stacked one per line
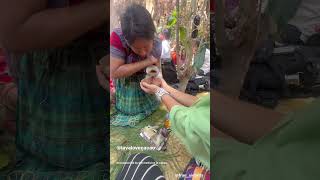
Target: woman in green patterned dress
<point>133,47</point>
<point>61,125</point>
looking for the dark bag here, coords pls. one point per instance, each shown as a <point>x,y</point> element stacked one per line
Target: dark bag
<point>197,85</point>
<point>282,72</point>
<point>169,72</point>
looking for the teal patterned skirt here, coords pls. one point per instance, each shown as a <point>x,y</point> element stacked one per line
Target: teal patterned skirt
<point>62,125</point>
<point>132,103</point>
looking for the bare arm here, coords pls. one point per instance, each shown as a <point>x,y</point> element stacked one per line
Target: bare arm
<point>28,24</point>
<point>169,102</point>
<point>118,69</point>
<point>244,122</point>
<point>183,98</point>
<point>166,99</point>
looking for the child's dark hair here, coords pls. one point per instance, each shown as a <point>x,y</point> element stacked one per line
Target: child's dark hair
<point>136,22</point>
<point>166,33</point>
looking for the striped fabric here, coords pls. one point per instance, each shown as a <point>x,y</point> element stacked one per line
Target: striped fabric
<point>132,104</point>
<point>194,171</point>
<point>61,107</point>
<point>140,167</point>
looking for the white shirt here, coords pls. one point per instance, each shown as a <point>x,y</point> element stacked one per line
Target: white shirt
<point>206,64</point>
<point>165,54</point>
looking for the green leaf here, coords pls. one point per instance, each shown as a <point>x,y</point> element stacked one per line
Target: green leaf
<point>182,34</point>
<point>172,22</point>
<point>200,55</point>
<point>174,13</point>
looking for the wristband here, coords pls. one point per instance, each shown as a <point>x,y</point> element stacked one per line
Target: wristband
<point>160,93</point>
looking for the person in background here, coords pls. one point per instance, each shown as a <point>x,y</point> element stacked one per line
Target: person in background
<point>133,48</point>
<point>61,119</point>
<point>169,71</point>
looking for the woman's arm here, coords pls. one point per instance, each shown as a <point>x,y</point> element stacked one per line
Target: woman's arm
<point>183,98</point>
<point>166,99</point>
<point>244,122</point>
<point>28,24</point>
<point>169,102</point>
<point>118,69</point>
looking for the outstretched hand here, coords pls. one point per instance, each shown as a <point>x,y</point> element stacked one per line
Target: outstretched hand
<point>151,85</point>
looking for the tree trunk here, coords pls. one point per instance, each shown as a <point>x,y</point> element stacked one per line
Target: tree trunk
<point>183,84</point>
<point>236,53</point>
<point>185,73</point>
<point>177,28</point>
<point>179,61</point>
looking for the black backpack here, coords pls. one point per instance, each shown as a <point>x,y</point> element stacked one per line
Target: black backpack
<point>291,71</point>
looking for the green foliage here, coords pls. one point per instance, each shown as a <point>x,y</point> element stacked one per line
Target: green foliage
<point>182,34</point>
<point>174,13</point>
<point>200,56</point>
<point>172,21</point>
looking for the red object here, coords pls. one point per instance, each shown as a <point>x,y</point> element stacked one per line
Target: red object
<point>4,76</point>
<point>174,57</point>
<point>116,42</point>
<point>212,6</point>
<point>112,88</point>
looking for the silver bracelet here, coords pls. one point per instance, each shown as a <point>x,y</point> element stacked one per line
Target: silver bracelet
<point>161,92</point>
